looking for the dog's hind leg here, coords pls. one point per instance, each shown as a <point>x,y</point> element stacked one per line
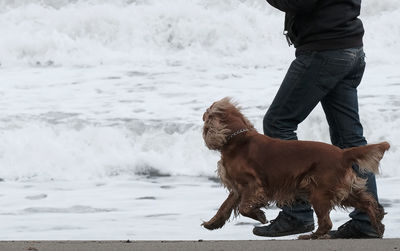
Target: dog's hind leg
<point>364,201</point>
<point>251,202</point>
<point>322,207</point>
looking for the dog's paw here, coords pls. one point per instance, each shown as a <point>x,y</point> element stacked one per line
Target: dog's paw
<point>324,237</point>
<point>261,217</point>
<point>313,236</point>
<point>210,225</point>
<point>305,237</point>
<point>207,225</point>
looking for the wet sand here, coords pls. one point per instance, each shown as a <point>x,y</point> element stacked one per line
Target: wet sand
<point>353,245</point>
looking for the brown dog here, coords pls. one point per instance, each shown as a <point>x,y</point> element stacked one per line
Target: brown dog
<point>259,170</point>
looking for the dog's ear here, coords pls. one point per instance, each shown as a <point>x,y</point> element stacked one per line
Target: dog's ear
<point>215,131</point>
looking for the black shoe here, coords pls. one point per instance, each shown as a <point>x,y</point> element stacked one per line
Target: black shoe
<point>351,230</point>
<point>284,225</point>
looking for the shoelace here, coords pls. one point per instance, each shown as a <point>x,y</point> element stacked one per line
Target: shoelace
<point>280,215</point>
<point>344,225</point>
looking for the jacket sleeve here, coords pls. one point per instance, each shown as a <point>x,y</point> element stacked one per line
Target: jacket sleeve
<point>294,6</point>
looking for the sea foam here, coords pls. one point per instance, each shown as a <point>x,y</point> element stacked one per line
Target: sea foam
<point>88,33</point>
<point>97,89</point>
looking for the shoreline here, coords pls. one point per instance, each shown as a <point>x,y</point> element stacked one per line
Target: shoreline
<point>248,245</point>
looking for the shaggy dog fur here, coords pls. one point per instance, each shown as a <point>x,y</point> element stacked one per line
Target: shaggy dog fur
<point>259,170</point>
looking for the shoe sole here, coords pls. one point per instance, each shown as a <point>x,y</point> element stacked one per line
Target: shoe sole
<point>364,236</point>
<point>286,233</point>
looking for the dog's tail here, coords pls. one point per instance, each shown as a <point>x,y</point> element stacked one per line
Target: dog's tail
<point>366,157</point>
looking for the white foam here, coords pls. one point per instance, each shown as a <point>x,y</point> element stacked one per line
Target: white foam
<point>196,31</point>
<point>47,152</point>
<point>77,124</point>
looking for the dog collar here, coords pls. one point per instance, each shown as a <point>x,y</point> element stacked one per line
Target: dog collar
<point>237,133</point>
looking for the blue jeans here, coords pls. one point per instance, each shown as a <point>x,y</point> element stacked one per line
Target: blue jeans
<point>330,77</point>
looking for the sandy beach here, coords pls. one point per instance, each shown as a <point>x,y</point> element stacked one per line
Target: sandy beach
<point>354,245</point>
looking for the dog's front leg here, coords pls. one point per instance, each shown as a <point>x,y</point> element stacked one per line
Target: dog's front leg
<point>224,212</point>
<point>251,202</point>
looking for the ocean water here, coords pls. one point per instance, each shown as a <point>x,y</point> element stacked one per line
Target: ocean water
<point>101,105</point>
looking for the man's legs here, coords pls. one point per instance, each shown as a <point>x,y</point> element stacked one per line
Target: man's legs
<point>341,109</point>
<point>295,99</point>
<point>311,76</point>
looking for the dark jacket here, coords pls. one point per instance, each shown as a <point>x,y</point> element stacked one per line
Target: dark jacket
<point>322,24</point>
